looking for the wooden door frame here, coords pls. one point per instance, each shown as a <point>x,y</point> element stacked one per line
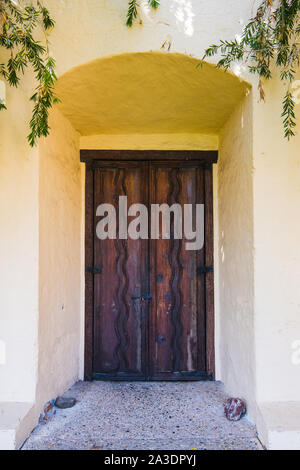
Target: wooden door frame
<point>90,157</point>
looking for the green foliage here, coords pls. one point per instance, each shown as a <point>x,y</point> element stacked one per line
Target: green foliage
<point>18,24</point>
<point>288,114</point>
<point>270,39</point>
<point>154,3</point>
<point>133,10</point>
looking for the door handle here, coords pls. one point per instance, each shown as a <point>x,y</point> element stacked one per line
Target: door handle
<point>146,297</point>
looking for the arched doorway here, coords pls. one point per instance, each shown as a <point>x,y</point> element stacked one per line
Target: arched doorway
<point>136,95</point>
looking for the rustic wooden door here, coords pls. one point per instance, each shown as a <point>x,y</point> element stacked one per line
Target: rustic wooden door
<point>152,314</point>
<point>177,337</point>
<point>119,343</point>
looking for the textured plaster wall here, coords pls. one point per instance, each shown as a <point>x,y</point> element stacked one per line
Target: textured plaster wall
<point>150,141</point>
<point>258,318</point>
<point>188,27</point>
<point>96,28</point>
<point>277,252</point>
<point>154,92</point>
<point>60,259</point>
<point>235,255</point>
<point>85,30</point>
<point>18,250</point>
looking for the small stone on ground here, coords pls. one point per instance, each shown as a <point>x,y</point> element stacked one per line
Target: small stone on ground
<point>65,402</point>
<point>235,409</point>
<point>150,416</point>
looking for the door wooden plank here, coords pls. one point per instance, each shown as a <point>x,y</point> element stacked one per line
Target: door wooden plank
<point>177,320</point>
<point>89,288</point>
<point>200,156</point>
<point>209,259</point>
<point>119,324</point>
<point>201,294</point>
<point>170,337</point>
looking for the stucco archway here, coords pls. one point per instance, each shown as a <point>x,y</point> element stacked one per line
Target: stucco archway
<point>148,93</point>
<point>163,101</point>
<point>42,249</point>
<point>156,101</point>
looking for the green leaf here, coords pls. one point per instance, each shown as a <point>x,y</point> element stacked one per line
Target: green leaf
<point>132,12</point>
<point>154,3</point>
<point>18,36</point>
<point>269,38</point>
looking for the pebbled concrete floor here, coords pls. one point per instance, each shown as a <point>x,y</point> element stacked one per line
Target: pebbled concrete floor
<point>150,416</point>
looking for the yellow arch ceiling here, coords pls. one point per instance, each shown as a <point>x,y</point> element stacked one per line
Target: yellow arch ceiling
<point>152,92</point>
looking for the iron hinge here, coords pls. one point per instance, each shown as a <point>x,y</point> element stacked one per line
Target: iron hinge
<point>204,269</point>
<point>93,270</point>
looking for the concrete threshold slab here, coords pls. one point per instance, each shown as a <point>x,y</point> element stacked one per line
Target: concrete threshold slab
<point>16,422</point>
<point>279,425</point>
<point>152,415</point>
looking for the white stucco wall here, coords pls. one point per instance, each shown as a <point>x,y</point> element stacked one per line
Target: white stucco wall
<point>60,259</point>
<point>96,28</point>
<point>259,316</point>
<point>18,250</point>
<point>235,255</point>
<point>277,253</point>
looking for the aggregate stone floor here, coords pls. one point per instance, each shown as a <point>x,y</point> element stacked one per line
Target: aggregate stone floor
<point>154,415</point>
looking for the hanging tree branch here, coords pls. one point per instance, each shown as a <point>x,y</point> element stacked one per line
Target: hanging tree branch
<point>18,22</point>
<point>133,10</point>
<point>270,38</point>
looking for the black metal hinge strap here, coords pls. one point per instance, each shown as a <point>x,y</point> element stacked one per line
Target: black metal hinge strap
<point>204,269</point>
<point>93,270</point>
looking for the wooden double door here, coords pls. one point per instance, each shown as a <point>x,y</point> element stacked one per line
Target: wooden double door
<point>149,302</point>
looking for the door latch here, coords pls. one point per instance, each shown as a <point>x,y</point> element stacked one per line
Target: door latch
<point>144,297</point>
